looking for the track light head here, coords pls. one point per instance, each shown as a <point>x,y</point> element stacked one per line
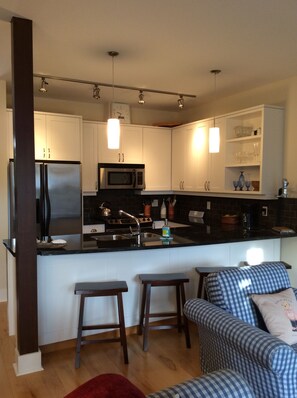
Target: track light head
<point>181,102</point>
<point>96,92</point>
<point>141,98</point>
<point>43,85</point>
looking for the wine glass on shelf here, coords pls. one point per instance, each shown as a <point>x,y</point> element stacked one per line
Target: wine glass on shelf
<point>235,184</point>
<point>256,151</point>
<point>248,184</point>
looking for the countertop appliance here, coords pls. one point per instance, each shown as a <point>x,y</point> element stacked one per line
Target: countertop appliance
<point>58,199</point>
<point>121,176</point>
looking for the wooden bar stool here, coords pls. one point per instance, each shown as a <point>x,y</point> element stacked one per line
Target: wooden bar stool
<point>101,289</point>
<point>203,272</point>
<point>152,280</point>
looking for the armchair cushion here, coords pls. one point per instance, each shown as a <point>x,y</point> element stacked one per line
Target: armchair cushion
<point>279,311</point>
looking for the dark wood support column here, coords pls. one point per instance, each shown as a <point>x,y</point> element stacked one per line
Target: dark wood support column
<point>23,130</point>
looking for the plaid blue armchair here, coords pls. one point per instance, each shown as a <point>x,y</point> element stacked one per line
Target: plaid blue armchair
<point>220,384</point>
<point>232,333</point>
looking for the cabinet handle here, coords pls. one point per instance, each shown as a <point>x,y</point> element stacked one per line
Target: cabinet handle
<point>180,185</point>
<point>205,187</point>
<point>208,185</point>
<point>96,185</point>
<point>119,157</point>
<point>49,153</point>
<point>43,153</point>
<point>183,185</point>
<point>123,157</point>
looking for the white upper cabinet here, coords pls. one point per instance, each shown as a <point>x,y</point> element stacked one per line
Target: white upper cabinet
<point>254,146</point>
<point>194,169</point>
<point>56,137</point>
<point>130,145</point>
<point>157,158</point>
<point>63,137</point>
<point>90,158</point>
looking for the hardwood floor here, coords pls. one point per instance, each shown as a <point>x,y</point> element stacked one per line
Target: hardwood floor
<point>167,362</point>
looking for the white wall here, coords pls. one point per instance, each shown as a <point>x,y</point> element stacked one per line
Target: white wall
<point>3,189</point>
<point>99,112</point>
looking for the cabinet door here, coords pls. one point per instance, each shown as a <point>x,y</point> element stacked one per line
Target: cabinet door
<point>106,155</point>
<point>41,152</point>
<point>178,158</point>
<point>216,163</point>
<point>197,165</point>
<point>157,158</point>
<point>63,137</point>
<point>90,160</point>
<point>131,144</point>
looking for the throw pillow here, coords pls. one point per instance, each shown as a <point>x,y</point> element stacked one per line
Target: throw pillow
<point>279,311</point>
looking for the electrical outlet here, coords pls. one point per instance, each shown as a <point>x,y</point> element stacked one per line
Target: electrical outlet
<point>155,203</point>
<point>264,211</point>
<point>208,205</point>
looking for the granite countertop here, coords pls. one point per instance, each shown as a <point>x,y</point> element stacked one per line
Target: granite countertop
<point>193,235</point>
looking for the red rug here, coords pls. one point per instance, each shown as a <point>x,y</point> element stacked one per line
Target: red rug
<point>107,386</point>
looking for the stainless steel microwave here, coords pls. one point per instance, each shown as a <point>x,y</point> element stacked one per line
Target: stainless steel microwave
<point>121,176</point>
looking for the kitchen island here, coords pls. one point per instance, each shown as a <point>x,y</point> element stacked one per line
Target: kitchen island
<point>82,259</point>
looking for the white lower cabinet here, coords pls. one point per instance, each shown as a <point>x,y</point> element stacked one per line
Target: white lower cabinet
<point>157,158</point>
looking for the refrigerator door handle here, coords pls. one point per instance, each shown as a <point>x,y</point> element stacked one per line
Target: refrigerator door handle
<point>48,203</point>
<point>41,206</point>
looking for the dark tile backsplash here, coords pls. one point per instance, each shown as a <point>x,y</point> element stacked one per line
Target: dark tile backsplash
<point>280,211</point>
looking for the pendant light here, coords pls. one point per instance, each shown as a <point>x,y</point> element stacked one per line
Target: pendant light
<point>214,132</point>
<point>113,124</point>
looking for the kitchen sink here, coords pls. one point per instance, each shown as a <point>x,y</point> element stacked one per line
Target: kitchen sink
<point>124,239</point>
<point>113,237</point>
<point>149,236</point>
<point>114,240</point>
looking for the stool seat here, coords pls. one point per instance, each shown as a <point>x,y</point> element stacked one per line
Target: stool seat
<point>94,288</point>
<point>161,278</point>
<point>101,289</point>
<point>154,280</point>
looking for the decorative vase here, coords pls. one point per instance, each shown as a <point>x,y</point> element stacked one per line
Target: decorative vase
<point>241,181</point>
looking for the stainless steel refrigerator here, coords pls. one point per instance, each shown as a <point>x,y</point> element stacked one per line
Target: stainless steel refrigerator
<point>58,199</point>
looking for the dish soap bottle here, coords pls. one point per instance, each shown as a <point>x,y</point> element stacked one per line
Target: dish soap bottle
<point>163,210</point>
<point>166,229</point>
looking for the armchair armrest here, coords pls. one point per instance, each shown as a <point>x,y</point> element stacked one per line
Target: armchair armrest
<point>252,343</point>
<point>219,384</point>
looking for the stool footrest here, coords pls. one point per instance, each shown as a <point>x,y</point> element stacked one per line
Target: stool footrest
<point>95,341</point>
<point>106,326</point>
<point>161,314</point>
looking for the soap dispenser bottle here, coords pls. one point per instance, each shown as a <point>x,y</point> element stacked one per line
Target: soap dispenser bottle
<point>163,210</point>
<point>166,229</point>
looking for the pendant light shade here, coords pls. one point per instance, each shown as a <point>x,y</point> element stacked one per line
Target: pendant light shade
<point>113,133</point>
<point>214,132</point>
<point>113,124</point>
<point>214,140</point>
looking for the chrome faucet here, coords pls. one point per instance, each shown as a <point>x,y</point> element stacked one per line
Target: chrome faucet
<point>137,223</point>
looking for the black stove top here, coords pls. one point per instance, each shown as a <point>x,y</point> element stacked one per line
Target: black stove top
<point>126,222</point>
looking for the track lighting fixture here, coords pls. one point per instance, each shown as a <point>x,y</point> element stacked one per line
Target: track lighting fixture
<point>96,92</point>
<point>214,132</point>
<point>43,85</point>
<point>180,102</point>
<point>113,86</point>
<point>141,97</point>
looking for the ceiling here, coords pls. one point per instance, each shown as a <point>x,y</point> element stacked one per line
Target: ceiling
<point>165,45</point>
